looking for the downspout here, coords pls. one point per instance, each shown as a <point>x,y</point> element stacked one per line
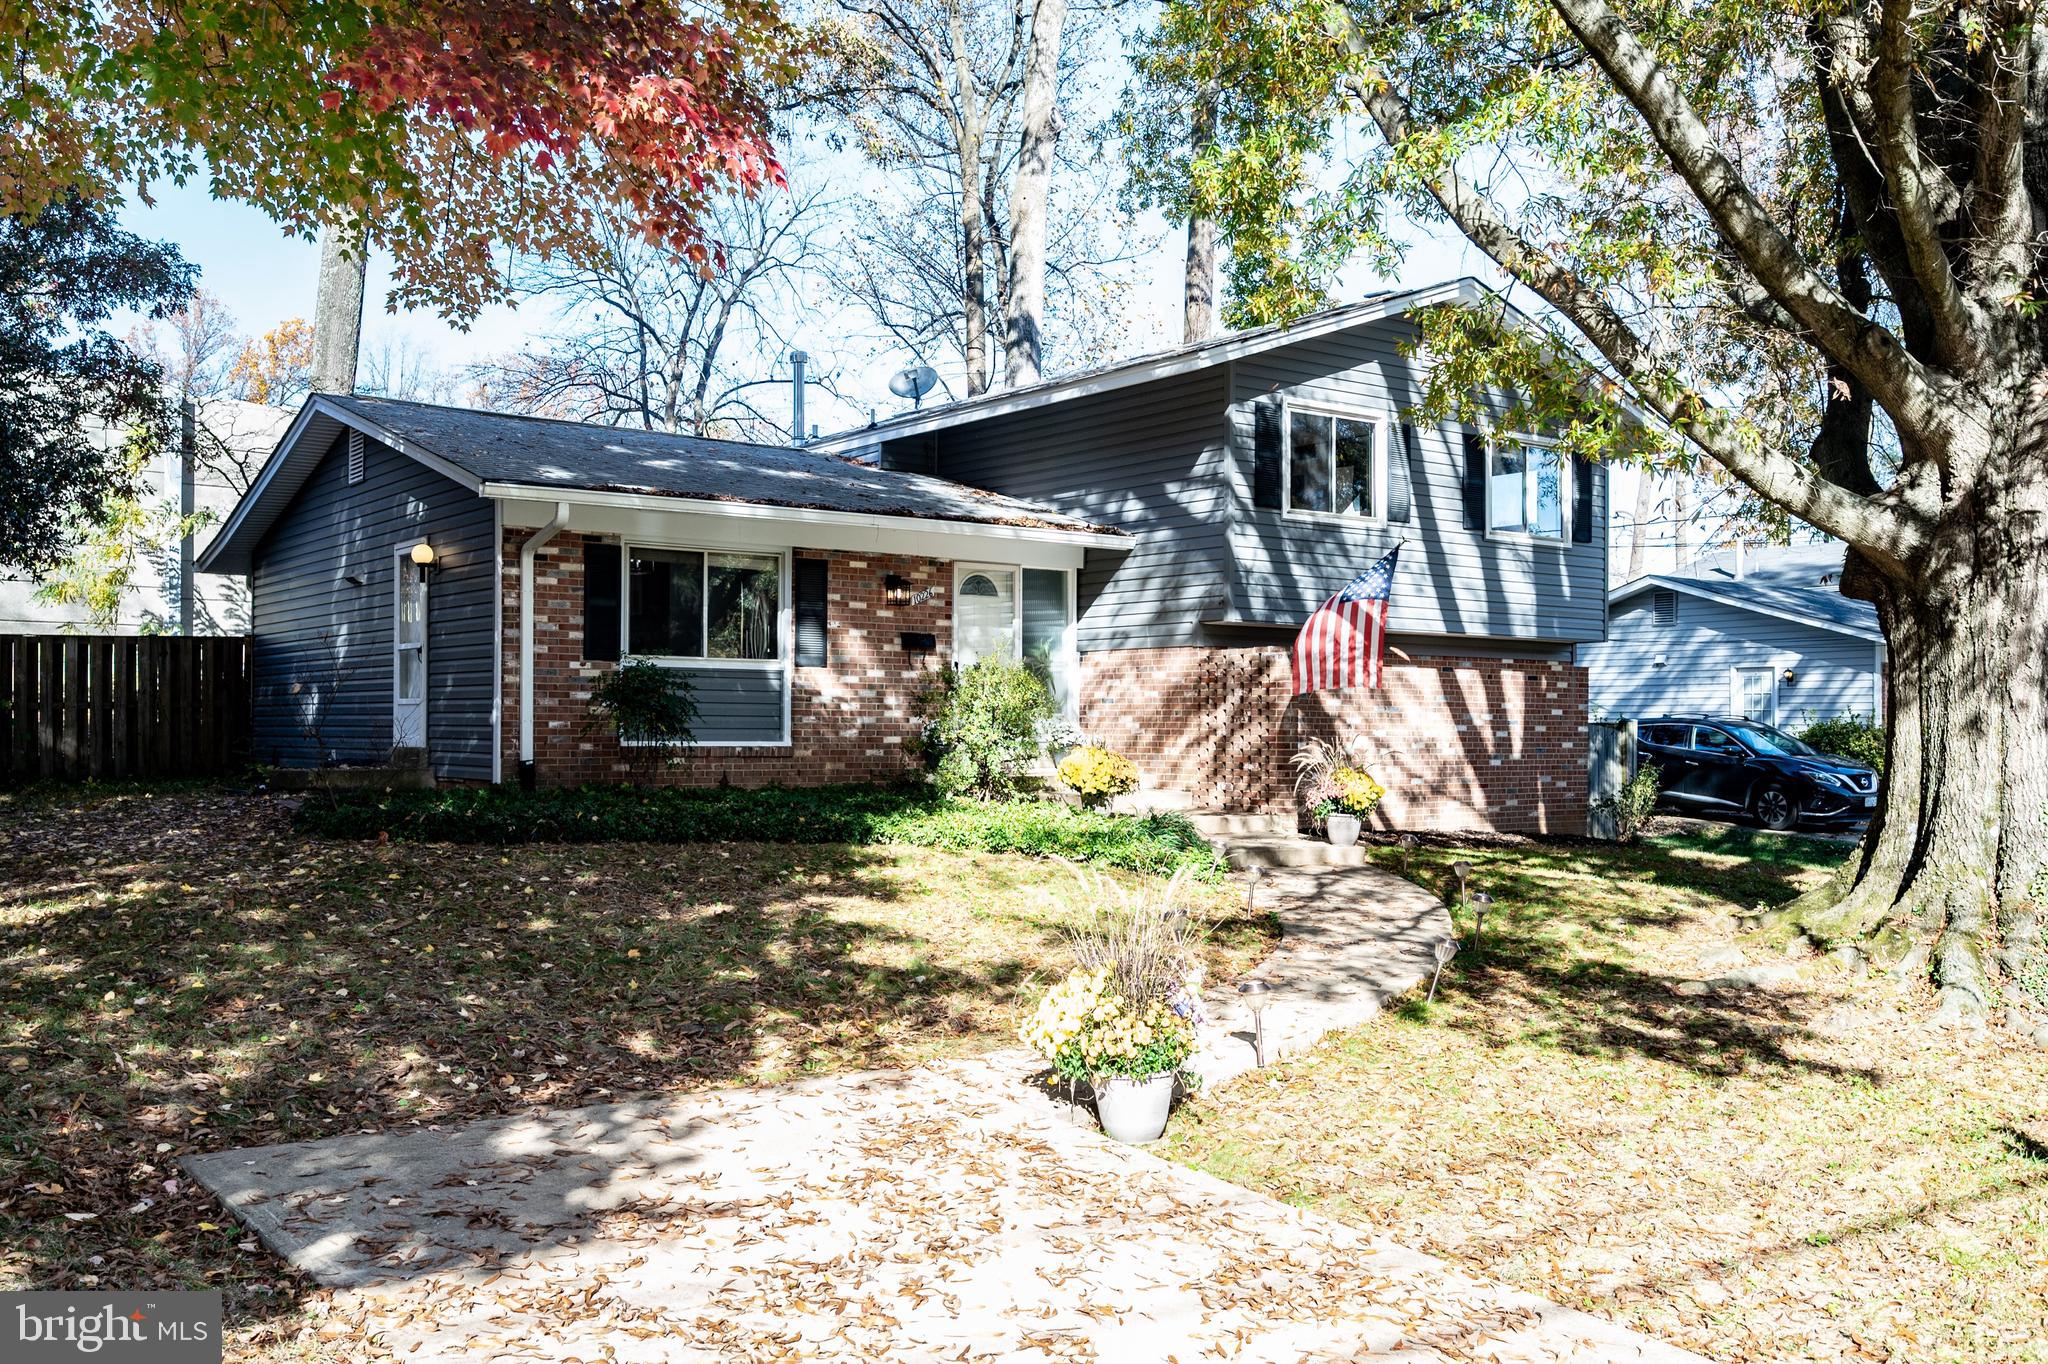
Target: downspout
<point>527,552</point>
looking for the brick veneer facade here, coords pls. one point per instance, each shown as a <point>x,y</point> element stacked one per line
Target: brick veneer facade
<point>1462,743</point>
<point>1469,743</point>
<point>848,720</point>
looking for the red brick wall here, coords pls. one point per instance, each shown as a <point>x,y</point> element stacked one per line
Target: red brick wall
<point>1461,743</point>
<point>848,721</point>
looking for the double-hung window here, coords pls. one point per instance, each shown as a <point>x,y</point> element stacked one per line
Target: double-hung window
<point>688,603</point>
<point>1527,487</point>
<point>1334,464</point>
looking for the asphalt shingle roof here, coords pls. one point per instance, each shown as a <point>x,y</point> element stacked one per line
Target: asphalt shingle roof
<point>498,448</point>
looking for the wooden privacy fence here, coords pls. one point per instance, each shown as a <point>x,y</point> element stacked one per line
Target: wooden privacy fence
<point>97,706</point>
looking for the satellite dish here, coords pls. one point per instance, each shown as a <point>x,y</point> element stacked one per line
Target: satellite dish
<point>913,383</point>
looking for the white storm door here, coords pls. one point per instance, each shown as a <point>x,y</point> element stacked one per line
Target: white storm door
<point>409,658</point>
<point>984,614</point>
<point>1756,694</point>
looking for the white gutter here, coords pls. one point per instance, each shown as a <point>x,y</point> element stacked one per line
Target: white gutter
<point>527,552</point>
<point>1103,538</point>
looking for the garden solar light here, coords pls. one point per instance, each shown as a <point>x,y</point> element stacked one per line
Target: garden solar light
<point>1446,948</point>
<point>1256,996</point>
<point>1408,842</point>
<point>1251,888</point>
<point>1481,902</point>
<point>1463,871</point>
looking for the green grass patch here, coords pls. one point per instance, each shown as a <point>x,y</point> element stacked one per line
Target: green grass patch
<point>822,814</point>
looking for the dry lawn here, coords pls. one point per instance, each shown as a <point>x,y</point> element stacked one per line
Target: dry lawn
<point>180,972</point>
<point>1799,1172</point>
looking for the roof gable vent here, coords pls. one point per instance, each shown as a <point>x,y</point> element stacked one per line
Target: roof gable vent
<point>355,457</point>
<point>1664,607</point>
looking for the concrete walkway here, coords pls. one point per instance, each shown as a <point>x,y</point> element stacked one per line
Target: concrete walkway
<point>945,1213</point>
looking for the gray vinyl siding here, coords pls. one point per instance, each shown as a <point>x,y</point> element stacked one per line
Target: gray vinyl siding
<point>1837,674</point>
<point>737,705</point>
<point>1451,581</point>
<point>1147,460</point>
<point>322,650</point>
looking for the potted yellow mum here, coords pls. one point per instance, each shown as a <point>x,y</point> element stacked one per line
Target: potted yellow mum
<point>1124,1019</point>
<point>1096,774</point>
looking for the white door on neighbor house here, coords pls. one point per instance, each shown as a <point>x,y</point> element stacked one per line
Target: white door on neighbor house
<point>1756,694</point>
<point>409,657</point>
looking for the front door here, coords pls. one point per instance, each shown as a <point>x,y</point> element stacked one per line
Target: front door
<point>1756,694</point>
<point>409,658</point>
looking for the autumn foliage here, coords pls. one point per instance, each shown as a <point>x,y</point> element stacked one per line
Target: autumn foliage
<point>450,128</point>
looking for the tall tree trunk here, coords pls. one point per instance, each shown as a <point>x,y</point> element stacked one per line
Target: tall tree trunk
<point>974,257</point>
<point>1024,309</point>
<point>1645,484</point>
<point>338,307</point>
<point>1198,282</point>
<point>1951,874</point>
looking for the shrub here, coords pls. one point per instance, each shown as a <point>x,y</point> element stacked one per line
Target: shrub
<point>1097,775</point>
<point>982,730</point>
<point>1161,843</point>
<point>652,709</point>
<point>1632,805</point>
<point>1851,736</point>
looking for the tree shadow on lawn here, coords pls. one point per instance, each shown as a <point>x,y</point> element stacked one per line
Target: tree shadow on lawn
<point>1559,961</point>
<point>184,974</point>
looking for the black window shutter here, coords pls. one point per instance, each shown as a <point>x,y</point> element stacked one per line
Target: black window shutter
<point>1475,481</point>
<point>1266,454</point>
<point>1401,473</point>
<point>811,647</point>
<point>1582,500</point>
<point>600,601</point>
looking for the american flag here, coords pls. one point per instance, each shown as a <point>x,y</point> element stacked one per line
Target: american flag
<point>1342,642</point>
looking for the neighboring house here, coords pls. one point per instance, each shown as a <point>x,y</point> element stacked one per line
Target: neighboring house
<point>1156,531</point>
<point>185,478</point>
<point>1766,634</point>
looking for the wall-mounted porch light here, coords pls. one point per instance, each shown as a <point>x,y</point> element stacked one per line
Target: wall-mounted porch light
<point>423,554</point>
<point>896,589</point>
<point>1791,676</point>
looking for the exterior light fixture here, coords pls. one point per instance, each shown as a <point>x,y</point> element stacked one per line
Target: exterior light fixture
<point>1257,995</point>
<point>896,589</point>
<point>1446,948</point>
<point>1463,871</point>
<point>1251,888</point>
<point>1408,842</point>
<point>1481,902</point>
<point>1790,677</point>
<point>423,554</point>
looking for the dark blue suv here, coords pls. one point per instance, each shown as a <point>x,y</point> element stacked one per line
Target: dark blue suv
<point>1717,765</point>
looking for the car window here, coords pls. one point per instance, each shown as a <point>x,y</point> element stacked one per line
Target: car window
<point>1714,741</point>
<point>1666,736</point>
<point>1769,739</point>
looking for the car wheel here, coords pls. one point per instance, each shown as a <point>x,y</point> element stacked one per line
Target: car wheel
<point>1773,807</point>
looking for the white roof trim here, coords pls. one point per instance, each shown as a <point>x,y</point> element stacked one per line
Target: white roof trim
<point>1637,586</point>
<point>1186,360</point>
<point>764,511</point>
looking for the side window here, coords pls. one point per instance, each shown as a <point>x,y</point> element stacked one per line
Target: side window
<point>1714,741</point>
<point>1331,464</point>
<point>1665,736</point>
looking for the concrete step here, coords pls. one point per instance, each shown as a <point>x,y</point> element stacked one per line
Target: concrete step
<point>1151,800</point>
<point>1241,824</point>
<point>1277,852</point>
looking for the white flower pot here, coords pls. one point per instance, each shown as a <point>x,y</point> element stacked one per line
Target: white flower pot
<point>1134,1110</point>
<point>1343,830</point>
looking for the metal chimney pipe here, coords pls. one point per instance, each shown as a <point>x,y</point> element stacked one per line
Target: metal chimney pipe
<point>797,361</point>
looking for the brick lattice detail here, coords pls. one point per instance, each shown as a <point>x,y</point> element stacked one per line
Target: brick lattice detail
<point>848,720</point>
<point>1463,743</point>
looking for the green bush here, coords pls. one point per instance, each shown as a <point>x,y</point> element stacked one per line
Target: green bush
<point>823,814</point>
<point>1632,806</point>
<point>1851,736</point>
<point>651,709</point>
<point>982,727</point>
